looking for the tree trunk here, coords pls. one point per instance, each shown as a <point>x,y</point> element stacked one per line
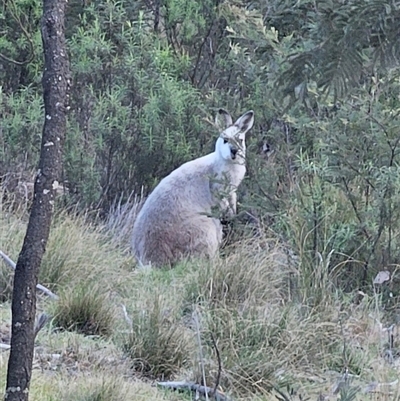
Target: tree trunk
<point>55,82</point>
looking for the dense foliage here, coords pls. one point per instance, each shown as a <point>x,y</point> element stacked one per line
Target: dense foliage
<point>148,76</point>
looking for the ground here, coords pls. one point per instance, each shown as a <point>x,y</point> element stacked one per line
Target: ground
<point>277,338</point>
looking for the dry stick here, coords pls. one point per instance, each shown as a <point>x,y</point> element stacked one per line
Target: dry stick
<point>197,388</point>
<point>39,324</point>
<point>43,318</point>
<point>193,387</point>
<point>126,316</point>
<point>27,36</point>
<point>219,365</point>
<point>196,321</point>
<point>40,287</point>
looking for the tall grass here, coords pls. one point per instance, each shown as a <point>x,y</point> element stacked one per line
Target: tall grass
<point>84,308</point>
<point>254,308</point>
<point>120,219</point>
<point>76,249</point>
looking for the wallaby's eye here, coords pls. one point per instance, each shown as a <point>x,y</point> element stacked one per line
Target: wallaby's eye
<point>225,141</point>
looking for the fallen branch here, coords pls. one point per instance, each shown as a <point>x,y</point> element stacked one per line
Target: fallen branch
<point>40,287</point>
<point>39,324</point>
<point>204,391</point>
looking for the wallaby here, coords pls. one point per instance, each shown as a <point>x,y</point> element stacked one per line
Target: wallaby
<point>178,219</point>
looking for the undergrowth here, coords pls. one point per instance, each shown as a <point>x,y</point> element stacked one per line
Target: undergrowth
<point>86,309</point>
<point>247,322</point>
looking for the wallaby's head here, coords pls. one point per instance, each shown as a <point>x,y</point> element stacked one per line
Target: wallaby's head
<point>231,145</point>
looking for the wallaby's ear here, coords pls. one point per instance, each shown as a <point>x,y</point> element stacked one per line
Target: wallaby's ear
<point>223,120</point>
<point>246,121</point>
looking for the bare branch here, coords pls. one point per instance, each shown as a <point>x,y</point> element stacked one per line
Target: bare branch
<point>219,364</point>
<point>40,322</point>
<point>195,388</point>
<point>197,324</point>
<point>40,287</point>
<point>28,38</point>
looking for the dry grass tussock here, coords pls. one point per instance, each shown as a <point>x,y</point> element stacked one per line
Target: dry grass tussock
<point>106,388</point>
<point>255,306</point>
<point>84,308</point>
<point>120,220</point>
<point>80,265</point>
<point>77,252</point>
<point>251,307</point>
<point>71,367</point>
<point>159,345</point>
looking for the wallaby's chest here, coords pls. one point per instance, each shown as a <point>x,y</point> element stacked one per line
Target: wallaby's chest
<point>227,179</point>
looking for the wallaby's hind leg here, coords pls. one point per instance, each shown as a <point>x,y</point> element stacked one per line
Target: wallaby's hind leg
<point>197,238</point>
<point>206,239</point>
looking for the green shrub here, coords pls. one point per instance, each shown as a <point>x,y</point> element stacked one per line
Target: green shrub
<point>147,79</point>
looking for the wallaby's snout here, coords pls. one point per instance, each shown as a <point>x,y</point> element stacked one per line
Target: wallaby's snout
<point>233,153</point>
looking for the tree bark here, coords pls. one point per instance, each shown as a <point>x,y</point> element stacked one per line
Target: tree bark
<point>56,81</point>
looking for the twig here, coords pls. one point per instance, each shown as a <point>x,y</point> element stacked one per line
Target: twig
<point>195,388</point>
<point>40,287</point>
<point>197,324</point>
<point>126,316</point>
<point>28,38</point>
<point>219,364</point>
<point>281,393</point>
<point>40,322</point>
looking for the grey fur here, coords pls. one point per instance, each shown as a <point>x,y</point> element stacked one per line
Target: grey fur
<point>177,219</point>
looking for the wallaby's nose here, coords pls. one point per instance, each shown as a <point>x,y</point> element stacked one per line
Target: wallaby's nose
<point>234,151</point>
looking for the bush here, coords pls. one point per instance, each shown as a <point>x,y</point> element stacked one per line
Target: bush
<point>11,236</point>
<point>78,248</point>
<point>84,309</point>
<point>158,345</point>
<point>266,329</point>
